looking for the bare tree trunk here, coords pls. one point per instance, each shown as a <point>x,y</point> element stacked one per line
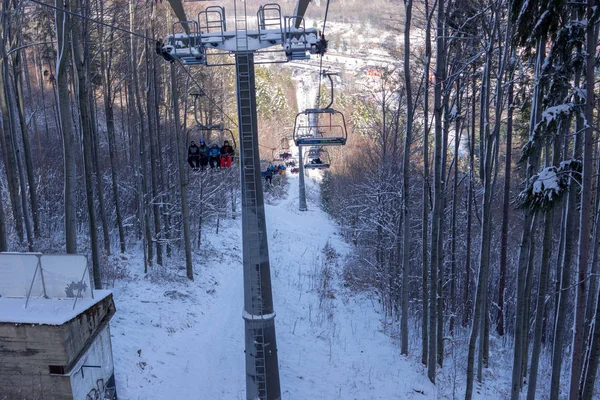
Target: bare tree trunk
<point>96,167</point>
<point>40,155</point>
<point>8,127</point>
<point>406,176</point>
<point>80,61</point>
<point>426,187</point>
<point>63,31</point>
<point>480,313</point>
<point>457,136</point>
<point>36,131</point>
<point>163,182</point>
<point>585,210</point>
<point>152,134</point>
<point>185,213</point>
<point>527,309</point>
<point>438,196</point>
<point>19,97</point>
<point>520,322</point>
<point>592,369</point>
<point>441,303</point>
<point>21,188</point>
<point>106,67</point>
<point>23,197</point>
<point>547,245</point>
<point>142,173</point>
<point>570,227</point>
<point>505,214</point>
<point>470,199</point>
<point>590,308</point>
<point>592,298</point>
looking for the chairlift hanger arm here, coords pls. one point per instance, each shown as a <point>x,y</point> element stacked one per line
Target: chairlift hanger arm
<point>179,11</point>
<point>301,7</point>
<point>331,82</point>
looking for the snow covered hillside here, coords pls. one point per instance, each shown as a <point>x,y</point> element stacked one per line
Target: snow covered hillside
<point>174,339</point>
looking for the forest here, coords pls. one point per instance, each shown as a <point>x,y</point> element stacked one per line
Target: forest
<point>469,189</point>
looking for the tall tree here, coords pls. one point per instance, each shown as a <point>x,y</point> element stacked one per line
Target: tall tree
<point>524,253</point>
<point>142,173</point>
<point>80,49</point>
<point>63,33</point>
<point>585,211</point>
<point>183,195</point>
<point>505,213</point>
<point>406,174</point>
<point>152,136</point>
<point>9,125</point>
<point>426,188</point>
<point>436,231</point>
<point>19,98</point>
<point>106,64</point>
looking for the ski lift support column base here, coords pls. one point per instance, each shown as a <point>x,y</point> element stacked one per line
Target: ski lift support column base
<point>301,188</point>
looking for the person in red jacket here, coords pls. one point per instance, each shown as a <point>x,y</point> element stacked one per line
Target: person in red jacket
<point>226,155</point>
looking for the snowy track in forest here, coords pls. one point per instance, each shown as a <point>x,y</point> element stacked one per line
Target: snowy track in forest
<point>185,340</point>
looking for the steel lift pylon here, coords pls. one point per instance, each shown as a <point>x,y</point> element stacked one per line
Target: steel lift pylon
<point>193,47</point>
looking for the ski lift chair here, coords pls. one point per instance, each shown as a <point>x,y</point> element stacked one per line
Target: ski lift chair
<point>317,158</point>
<point>285,143</point>
<point>321,126</point>
<point>183,45</point>
<point>328,128</point>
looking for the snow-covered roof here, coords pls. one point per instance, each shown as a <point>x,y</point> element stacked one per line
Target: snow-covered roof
<point>41,311</point>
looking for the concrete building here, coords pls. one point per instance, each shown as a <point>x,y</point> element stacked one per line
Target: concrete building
<point>54,330</point>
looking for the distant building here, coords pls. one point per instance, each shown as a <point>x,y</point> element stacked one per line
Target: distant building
<point>374,72</point>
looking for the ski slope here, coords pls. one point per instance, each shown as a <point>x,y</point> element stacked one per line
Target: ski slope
<point>177,339</point>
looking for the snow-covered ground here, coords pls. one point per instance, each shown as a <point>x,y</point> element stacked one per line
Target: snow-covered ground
<point>177,339</point>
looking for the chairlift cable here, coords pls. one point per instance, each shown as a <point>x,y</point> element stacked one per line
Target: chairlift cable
<point>93,20</point>
<point>325,20</point>
<point>322,55</point>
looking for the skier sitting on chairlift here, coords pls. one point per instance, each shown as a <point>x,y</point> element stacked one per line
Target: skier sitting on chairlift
<point>269,173</point>
<point>214,155</point>
<point>194,155</point>
<point>226,155</point>
<point>203,154</point>
<point>316,161</point>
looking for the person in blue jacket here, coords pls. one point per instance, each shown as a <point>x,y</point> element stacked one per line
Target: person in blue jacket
<point>269,173</point>
<point>214,155</point>
<point>203,154</point>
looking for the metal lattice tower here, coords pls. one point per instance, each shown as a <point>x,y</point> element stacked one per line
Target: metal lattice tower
<point>262,367</point>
